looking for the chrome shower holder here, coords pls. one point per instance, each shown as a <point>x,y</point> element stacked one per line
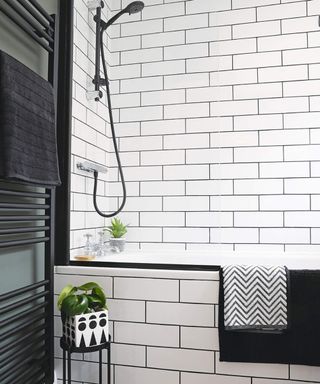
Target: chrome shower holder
<point>93,95</point>
<point>94,4</point>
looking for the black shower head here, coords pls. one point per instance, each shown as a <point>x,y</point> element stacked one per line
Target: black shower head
<point>134,7</point>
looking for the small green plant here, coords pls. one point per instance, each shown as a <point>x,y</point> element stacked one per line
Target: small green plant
<point>87,298</point>
<point>117,229</point>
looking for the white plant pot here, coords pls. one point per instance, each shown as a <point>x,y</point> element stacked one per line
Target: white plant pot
<point>86,330</point>
<point>118,243</point>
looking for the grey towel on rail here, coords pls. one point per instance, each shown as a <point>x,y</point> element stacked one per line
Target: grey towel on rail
<point>255,297</point>
<point>28,146</point>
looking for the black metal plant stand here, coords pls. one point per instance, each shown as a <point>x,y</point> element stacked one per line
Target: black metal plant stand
<point>68,350</point>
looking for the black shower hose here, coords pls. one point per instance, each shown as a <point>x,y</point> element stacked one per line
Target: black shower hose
<point>115,145</point>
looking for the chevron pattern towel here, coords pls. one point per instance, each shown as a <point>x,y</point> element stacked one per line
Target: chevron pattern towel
<point>255,297</point>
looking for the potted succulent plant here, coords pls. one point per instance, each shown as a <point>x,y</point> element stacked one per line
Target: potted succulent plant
<point>117,230</point>
<point>84,315</point>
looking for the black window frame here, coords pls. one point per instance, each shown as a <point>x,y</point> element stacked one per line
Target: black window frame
<point>64,121</point>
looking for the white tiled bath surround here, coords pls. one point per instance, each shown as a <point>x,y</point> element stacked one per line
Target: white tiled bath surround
<point>164,331</point>
<point>218,119</point>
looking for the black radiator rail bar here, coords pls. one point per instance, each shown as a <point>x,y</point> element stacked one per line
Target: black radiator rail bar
<point>23,302</point>
<point>33,377</point>
<point>41,10</point>
<point>13,371</point>
<point>21,206</point>
<point>32,372</point>
<point>37,195</point>
<point>21,315</point>
<point>15,243</point>
<point>18,230</point>
<point>11,345</point>
<point>25,16</point>
<point>36,15</point>
<point>24,218</point>
<point>27,30</point>
<point>9,360</point>
<point>21,291</point>
<point>14,331</point>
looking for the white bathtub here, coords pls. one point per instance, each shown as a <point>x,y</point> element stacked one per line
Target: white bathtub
<point>307,260</point>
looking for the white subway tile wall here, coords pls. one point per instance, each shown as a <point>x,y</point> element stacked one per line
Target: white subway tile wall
<point>216,106</point>
<point>90,127</point>
<point>164,328</point>
<point>216,110</point>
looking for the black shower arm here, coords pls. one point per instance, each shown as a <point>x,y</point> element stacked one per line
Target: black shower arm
<point>104,25</point>
<point>134,7</point>
<point>101,26</point>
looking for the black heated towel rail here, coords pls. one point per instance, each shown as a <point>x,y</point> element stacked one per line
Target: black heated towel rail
<point>27,218</point>
<point>24,333</point>
<point>26,314</point>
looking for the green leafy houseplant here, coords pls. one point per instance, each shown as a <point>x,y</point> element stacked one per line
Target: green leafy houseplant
<point>84,315</point>
<point>87,298</point>
<point>117,229</point>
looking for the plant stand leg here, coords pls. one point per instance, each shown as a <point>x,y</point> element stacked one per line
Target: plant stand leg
<point>69,367</point>
<point>109,363</point>
<point>100,366</point>
<point>64,376</point>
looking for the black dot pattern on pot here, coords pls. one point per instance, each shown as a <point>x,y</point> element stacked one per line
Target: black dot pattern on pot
<point>92,324</point>
<point>102,322</point>
<point>82,326</point>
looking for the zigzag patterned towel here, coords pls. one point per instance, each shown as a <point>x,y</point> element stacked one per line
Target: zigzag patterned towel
<point>255,297</point>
